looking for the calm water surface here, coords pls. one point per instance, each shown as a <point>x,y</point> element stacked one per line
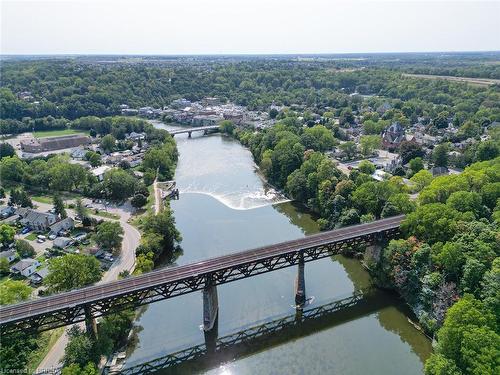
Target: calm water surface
<point>225,207</point>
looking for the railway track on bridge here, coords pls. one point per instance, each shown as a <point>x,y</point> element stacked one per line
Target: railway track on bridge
<point>97,300</point>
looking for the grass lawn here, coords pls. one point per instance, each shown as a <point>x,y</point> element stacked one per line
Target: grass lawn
<point>42,199</point>
<point>56,133</point>
<point>31,237</point>
<point>45,343</point>
<point>107,215</point>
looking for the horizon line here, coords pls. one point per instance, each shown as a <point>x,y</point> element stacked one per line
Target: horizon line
<point>244,53</point>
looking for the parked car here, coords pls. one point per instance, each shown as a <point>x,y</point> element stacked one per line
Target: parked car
<point>41,237</point>
<point>39,240</point>
<point>52,237</point>
<point>25,230</point>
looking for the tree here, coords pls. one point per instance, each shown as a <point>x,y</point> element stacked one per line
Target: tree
<point>366,166</point>
<point>6,150</point>
<point>19,197</point>
<point>440,155</point>
<point>460,339</point>
<point>432,222</point>
<point>163,225</point>
<point>24,249</point>
<point>349,149</point>
<point>93,158</point>
<point>119,184</point>
<point>421,179</point>
<point>108,143</point>
<point>162,159</point>
<point>81,349</point>
<point>226,127</point>
<point>72,271</point>
<point>416,165</point>
<point>12,169</point>
<point>7,234</point>
<point>487,150</point>
<point>369,143</point>
<point>109,236</point>
<point>13,291</point>
<point>409,150</point>
<point>59,207</point>
<point>75,369</point>
<point>4,266</point>
<point>464,201</point>
<point>138,200</point>
<point>318,138</point>
<point>438,364</point>
<point>273,112</point>
<point>80,210</point>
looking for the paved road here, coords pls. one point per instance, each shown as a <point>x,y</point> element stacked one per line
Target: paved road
<point>126,261</point>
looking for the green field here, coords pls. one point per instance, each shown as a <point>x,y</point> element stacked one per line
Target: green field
<point>55,133</point>
<point>42,199</point>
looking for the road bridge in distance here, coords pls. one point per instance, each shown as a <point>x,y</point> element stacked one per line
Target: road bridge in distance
<point>90,302</point>
<point>204,129</point>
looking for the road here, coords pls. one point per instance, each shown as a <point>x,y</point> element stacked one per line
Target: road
<point>126,261</point>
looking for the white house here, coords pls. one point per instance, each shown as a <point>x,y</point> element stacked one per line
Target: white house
<point>25,267</point>
<point>99,171</point>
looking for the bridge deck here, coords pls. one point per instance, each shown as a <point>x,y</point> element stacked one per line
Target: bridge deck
<point>92,294</point>
<point>189,130</point>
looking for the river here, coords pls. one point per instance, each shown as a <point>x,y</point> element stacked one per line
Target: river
<point>226,207</point>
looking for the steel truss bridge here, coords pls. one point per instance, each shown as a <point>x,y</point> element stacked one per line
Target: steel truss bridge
<point>90,302</point>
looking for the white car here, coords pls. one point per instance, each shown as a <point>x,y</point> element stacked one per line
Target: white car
<point>52,237</point>
<point>40,240</point>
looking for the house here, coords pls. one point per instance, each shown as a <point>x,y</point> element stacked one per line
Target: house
<point>62,242</point>
<point>100,171</point>
<point>136,136</point>
<point>10,255</point>
<point>37,277</point>
<point>62,225</point>
<point>393,136</point>
<point>38,221</point>
<point>78,153</point>
<point>25,267</point>
<point>6,211</point>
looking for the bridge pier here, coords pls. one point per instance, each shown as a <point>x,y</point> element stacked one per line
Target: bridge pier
<point>189,134</point>
<point>373,251</point>
<point>300,284</point>
<point>90,323</point>
<point>210,305</point>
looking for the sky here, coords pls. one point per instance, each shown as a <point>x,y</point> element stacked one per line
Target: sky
<point>171,27</point>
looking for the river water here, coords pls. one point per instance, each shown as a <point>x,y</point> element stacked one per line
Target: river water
<point>225,207</point>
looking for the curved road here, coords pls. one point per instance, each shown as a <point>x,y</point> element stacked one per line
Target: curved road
<point>126,261</point>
